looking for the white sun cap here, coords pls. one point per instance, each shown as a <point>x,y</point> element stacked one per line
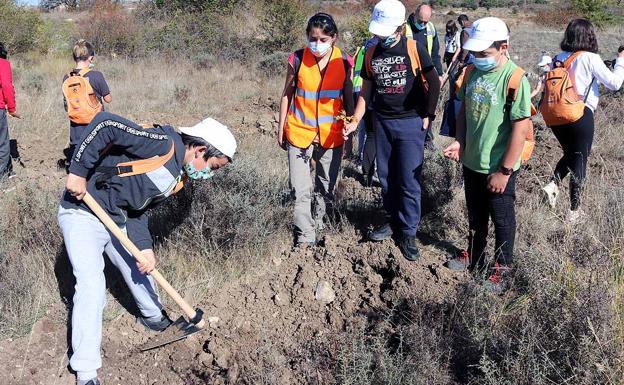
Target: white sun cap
<point>544,60</point>
<point>484,32</point>
<point>388,15</point>
<point>214,133</point>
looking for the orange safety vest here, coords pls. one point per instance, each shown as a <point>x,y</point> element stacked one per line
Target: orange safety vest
<point>317,102</point>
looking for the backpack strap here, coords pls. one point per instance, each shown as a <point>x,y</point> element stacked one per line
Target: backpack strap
<point>513,86</point>
<point>462,80</point>
<point>412,52</point>
<point>368,59</point>
<point>568,62</point>
<point>297,60</point>
<point>134,167</point>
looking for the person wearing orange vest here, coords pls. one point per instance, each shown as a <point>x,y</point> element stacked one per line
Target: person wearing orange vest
<point>318,87</point>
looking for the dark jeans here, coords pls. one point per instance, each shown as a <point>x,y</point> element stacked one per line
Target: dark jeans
<point>400,154</point>
<point>576,141</point>
<point>483,204</point>
<point>369,153</point>
<point>6,166</point>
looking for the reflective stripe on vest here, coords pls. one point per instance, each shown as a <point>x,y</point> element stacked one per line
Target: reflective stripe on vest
<point>316,103</point>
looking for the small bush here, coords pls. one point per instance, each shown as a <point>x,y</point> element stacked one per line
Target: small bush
<point>273,64</point>
<point>282,23</point>
<point>22,29</point>
<point>110,28</point>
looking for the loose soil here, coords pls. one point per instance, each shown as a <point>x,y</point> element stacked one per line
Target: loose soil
<point>268,326</point>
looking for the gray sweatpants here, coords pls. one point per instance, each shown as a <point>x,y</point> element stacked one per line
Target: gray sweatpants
<point>5,146</point>
<point>305,191</point>
<point>86,239</point>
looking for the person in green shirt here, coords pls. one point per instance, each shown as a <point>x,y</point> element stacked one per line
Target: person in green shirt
<point>489,141</point>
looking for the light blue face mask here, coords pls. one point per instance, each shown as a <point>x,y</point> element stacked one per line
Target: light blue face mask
<point>194,174</point>
<point>389,41</point>
<point>485,63</point>
<point>420,26</point>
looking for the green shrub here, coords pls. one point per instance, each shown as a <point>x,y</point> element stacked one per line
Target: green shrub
<point>595,10</point>
<point>273,64</point>
<point>22,29</point>
<point>110,28</point>
<point>282,24</point>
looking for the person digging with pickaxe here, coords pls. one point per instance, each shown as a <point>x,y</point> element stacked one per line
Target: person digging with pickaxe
<point>122,170</point>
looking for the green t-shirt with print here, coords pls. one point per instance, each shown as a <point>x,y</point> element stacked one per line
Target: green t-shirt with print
<point>488,125</point>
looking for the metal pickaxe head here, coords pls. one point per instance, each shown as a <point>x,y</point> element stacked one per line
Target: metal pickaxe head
<point>178,330</point>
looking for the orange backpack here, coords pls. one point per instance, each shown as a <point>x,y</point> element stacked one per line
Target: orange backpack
<point>513,85</point>
<point>82,103</point>
<point>412,52</point>
<point>561,104</point>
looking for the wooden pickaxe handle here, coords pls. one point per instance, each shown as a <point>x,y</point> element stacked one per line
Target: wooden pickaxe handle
<point>136,253</point>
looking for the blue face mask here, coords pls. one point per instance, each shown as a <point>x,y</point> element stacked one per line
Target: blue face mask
<point>420,26</point>
<point>485,63</point>
<point>389,41</point>
<point>194,174</point>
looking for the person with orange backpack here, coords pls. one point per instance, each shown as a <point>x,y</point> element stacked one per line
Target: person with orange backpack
<point>568,105</point>
<point>490,141</point>
<point>129,170</point>
<point>318,89</point>
<point>84,90</point>
<point>403,84</point>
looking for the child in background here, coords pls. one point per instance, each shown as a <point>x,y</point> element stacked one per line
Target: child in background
<point>544,66</point>
<point>452,43</point>
<point>84,55</point>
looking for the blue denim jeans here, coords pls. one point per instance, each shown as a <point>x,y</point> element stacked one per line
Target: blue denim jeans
<point>400,154</point>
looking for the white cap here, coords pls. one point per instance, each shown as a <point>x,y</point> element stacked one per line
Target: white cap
<point>544,60</point>
<point>214,133</point>
<point>484,32</point>
<point>388,15</point>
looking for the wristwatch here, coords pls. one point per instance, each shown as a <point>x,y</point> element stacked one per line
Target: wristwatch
<point>506,171</point>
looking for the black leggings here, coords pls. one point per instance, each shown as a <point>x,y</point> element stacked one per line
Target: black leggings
<point>482,205</point>
<point>576,141</point>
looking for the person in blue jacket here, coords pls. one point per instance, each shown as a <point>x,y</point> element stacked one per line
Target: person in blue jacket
<point>97,167</point>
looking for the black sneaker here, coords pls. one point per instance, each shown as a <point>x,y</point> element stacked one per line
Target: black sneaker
<point>93,381</point>
<point>408,248</point>
<point>380,233</point>
<point>157,326</point>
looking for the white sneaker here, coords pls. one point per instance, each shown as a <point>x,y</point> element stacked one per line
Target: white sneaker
<point>576,216</point>
<point>552,192</point>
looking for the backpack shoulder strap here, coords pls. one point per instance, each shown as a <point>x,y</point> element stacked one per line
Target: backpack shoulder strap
<point>412,52</point>
<point>571,59</point>
<point>298,59</point>
<point>345,62</point>
<point>368,59</point>
<point>513,86</point>
<point>84,71</point>
<point>464,76</point>
<point>143,166</point>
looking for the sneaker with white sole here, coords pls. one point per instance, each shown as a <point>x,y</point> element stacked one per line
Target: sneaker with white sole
<point>552,192</point>
<point>576,216</point>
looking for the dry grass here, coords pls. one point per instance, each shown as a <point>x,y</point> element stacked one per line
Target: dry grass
<point>565,325</point>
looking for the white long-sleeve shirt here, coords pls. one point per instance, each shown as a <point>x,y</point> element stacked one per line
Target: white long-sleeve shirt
<point>589,66</point>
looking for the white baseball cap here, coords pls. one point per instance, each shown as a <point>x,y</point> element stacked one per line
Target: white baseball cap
<point>484,32</point>
<point>214,133</point>
<point>388,15</point>
<point>544,60</point>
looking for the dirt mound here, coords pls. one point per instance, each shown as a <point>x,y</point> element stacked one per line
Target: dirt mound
<point>276,322</point>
